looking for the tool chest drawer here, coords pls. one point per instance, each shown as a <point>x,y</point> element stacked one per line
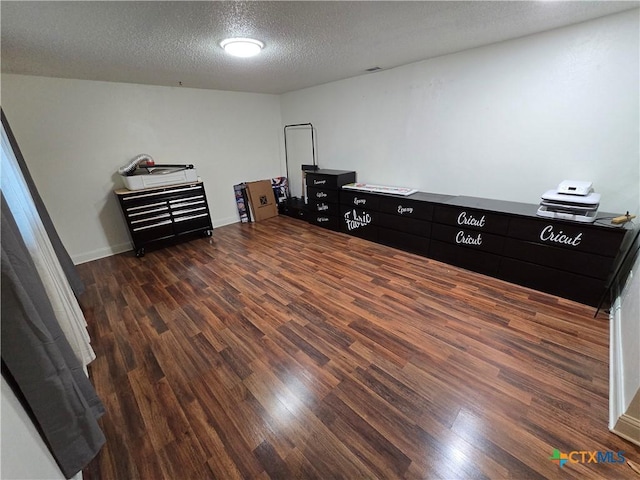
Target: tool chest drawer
<point>163,213</point>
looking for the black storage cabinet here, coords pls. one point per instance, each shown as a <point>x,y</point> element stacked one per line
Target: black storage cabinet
<point>165,213</point>
<point>502,239</point>
<point>323,196</point>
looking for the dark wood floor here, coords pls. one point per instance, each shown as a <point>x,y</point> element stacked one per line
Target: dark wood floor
<point>282,350</point>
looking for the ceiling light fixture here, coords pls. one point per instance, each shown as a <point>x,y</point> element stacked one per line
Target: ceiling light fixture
<point>242,47</point>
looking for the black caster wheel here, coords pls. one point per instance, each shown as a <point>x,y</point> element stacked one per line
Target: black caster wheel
<point>140,252</point>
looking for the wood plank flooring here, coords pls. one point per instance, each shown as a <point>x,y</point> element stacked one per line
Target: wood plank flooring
<point>282,350</point>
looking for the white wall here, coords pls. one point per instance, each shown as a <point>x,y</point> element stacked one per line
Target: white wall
<point>507,121</point>
<point>75,134</point>
<point>624,364</point>
<point>630,328</point>
<point>24,454</point>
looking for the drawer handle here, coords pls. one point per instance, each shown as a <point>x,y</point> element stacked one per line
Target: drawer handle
<point>190,217</point>
<point>151,218</point>
<point>182,212</point>
<point>147,205</point>
<point>165,192</point>
<point>137,214</point>
<point>187,199</point>
<point>166,222</point>
<point>182,205</point>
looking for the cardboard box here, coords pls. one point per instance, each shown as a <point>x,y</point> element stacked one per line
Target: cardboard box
<point>262,200</point>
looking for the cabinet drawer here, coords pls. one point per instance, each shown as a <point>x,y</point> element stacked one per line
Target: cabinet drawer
<point>153,231</point>
<point>359,199</point>
<point>332,179</point>
<point>404,241</point>
<point>326,208</point>
<point>332,222</point>
<point>359,222</point>
<point>323,195</point>
<point>192,222</point>
<point>149,219</point>
<point>471,239</point>
<point>477,261</point>
<point>405,207</point>
<point>188,201</point>
<point>582,289</point>
<point>571,236</point>
<point>145,197</point>
<point>471,219</point>
<point>146,210</point>
<point>403,224</point>
<point>583,263</point>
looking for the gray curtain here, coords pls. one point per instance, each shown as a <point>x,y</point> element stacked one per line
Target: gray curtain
<point>63,256</point>
<point>59,396</point>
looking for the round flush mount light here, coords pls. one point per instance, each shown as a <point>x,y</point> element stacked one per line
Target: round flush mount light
<point>242,47</point>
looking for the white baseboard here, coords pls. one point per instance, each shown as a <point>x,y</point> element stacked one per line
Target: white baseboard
<point>616,389</point>
<point>126,247</point>
<point>221,222</point>
<point>101,253</point>
<point>628,428</point>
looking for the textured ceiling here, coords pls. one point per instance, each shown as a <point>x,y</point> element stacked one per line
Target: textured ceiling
<point>307,43</point>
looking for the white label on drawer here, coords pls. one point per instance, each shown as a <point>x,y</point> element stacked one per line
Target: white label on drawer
<point>322,219</point>
<point>320,194</point>
<point>319,182</point>
<point>402,210</point>
<point>548,235</point>
<point>468,239</point>
<point>355,221</point>
<point>467,219</point>
<point>322,207</point>
<point>359,201</point>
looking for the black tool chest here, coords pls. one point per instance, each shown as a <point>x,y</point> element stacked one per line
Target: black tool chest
<point>164,213</point>
<point>506,240</point>
<point>323,196</point>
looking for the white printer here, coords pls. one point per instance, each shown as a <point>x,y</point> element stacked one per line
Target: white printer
<point>572,200</point>
<point>142,172</point>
